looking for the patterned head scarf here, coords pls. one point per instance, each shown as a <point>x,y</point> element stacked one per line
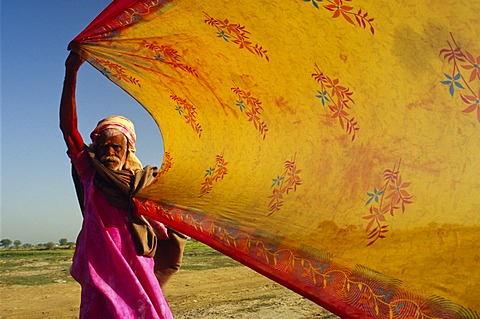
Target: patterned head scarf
<point>126,127</point>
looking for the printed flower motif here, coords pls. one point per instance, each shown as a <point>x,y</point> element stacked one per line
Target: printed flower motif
<point>277,181</point>
<point>179,109</point>
<point>293,179</point>
<point>474,66</point>
<point>105,72</point>
<point>160,58</point>
<point>168,55</point>
<point>189,113</point>
<point>368,299</point>
<point>283,184</point>
<point>339,8</point>
<point>166,165</point>
<point>453,54</point>
<point>453,81</point>
<point>223,35</point>
<point>314,2</point>
<point>332,84</point>
<point>323,96</point>
<point>339,113</point>
<point>376,216</point>
<point>390,197</point>
<point>213,175</point>
<point>399,195</point>
<point>385,294</point>
<point>374,196</point>
<point>241,105</point>
<point>115,71</point>
<point>329,89</point>
<point>463,65</point>
<point>253,109</point>
<point>398,308</point>
<point>473,103</point>
<point>209,171</point>
<point>237,34</point>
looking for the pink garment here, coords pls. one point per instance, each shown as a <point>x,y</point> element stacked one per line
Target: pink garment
<point>116,282</point>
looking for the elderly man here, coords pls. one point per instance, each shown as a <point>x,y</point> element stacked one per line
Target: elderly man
<point>117,280</point>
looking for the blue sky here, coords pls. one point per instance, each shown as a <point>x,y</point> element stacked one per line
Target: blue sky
<point>38,202</point>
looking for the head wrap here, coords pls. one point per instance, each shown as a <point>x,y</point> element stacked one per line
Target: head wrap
<point>126,127</point>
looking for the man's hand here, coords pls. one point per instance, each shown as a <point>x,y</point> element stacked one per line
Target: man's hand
<point>68,106</point>
<point>73,62</point>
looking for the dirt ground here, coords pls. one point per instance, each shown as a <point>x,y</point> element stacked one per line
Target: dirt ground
<point>234,292</point>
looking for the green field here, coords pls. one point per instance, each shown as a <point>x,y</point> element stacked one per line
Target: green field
<point>32,267</point>
<point>36,283</point>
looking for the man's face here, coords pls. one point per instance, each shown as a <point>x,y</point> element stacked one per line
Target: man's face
<point>112,150</point>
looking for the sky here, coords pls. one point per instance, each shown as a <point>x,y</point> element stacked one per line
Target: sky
<point>37,196</point>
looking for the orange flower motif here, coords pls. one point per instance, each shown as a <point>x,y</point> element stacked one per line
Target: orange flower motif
<point>391,196</point>
<point>473,104</point>
<point>253,109</point>
<point>375,216</point>
<point>338,9</point>
<point>474,66</point>
<point>235,33</point>
<point>467,61</point>
<point>399,195</point>
<point>283,184</point>
<point>214,174</point>
<point>336,89</point>
<point>329,88</point>
<point>338,112</point>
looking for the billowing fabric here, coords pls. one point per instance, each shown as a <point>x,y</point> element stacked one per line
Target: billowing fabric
<point>126,127</point>
<point>332,145</point>
<point>129,288</point>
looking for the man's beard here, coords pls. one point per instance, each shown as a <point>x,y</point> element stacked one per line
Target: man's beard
<point>111,162</point>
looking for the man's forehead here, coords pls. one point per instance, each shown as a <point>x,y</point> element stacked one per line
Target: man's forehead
<point>111,137</point>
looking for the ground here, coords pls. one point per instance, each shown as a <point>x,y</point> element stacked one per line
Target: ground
<point>222,290</point>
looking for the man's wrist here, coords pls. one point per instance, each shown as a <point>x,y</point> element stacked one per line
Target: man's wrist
<point>70,71</point>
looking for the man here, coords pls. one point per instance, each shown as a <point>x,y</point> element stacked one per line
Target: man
<point>116,281</point>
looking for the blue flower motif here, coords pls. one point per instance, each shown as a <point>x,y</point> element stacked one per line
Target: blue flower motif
<point>223,35</point>
<point>323,267</point>
<point>374,196</point>
<point>314,2</point>
<point>179,109</point>
<point>136,17</point>
<point>105,72</point>
<point>452,81</point>
<point>323,96</point>
<point>158,57</point>
<point>398,307</point>
<point>209,171</point>
<point>241,105</point>
<point>385,294</point>
<point>277,181</point>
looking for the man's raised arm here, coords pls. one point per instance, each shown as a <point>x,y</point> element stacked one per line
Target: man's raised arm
<point>68,107</point>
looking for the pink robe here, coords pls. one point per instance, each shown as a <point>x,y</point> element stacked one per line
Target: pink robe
<point>116,282</point>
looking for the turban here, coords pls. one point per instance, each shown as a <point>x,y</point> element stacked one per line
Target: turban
<point>126,127</point>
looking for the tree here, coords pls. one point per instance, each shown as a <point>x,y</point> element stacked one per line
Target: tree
<point>27,245</point>
<point>5,242</point>
<point>49,245</point>
<point>63,242</point>
<point>17,243</point>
